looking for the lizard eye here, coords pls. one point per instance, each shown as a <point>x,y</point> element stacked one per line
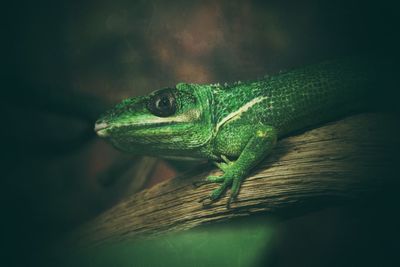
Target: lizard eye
<point>162,104</point>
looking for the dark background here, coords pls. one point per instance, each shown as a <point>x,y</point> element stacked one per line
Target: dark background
<point>65,62</point>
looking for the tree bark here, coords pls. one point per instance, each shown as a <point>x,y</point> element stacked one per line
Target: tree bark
<point>340,161</point>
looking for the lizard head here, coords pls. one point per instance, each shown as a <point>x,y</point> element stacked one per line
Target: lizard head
<point>167,119</point>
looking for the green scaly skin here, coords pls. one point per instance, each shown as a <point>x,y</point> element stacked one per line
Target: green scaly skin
<point>236,126</point>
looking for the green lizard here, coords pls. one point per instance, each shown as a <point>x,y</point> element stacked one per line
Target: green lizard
<point>235,126</point>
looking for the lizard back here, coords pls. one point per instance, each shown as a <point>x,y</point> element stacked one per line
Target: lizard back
<point>296,99</point>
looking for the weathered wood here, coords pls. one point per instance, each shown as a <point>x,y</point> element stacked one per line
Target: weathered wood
<point>338,161</point>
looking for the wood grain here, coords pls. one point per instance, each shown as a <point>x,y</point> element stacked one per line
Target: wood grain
<point>341,161</point>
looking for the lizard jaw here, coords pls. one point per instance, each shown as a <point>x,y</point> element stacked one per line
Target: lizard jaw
<point>101,129</point>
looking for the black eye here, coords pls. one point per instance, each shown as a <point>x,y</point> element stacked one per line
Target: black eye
<point>162,104</point>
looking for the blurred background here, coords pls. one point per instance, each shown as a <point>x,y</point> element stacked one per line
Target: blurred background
<point>66,62</point>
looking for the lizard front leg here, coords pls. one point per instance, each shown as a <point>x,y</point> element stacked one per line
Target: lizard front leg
<point>259,145</point>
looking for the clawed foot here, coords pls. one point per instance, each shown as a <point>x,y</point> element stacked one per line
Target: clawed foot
<point>228,179</point>
<point>259,145</point>
<point>231,178</point>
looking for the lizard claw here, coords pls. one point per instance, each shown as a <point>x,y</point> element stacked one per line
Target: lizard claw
<point>231,199</point>
<point>197,184</point>
<point>228,203</point>
<point>206,201</point>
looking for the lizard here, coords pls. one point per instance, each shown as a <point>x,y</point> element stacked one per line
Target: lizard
<point>235,125</point>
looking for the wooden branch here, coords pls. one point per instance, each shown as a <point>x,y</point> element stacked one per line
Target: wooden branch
<point>339,161</point>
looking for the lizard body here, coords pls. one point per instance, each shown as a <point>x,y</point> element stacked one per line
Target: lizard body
<point>237,125</point>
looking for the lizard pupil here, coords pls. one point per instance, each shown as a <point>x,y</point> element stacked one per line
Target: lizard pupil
<point>162,104</point>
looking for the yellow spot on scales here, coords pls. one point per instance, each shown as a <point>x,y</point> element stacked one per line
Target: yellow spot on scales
<point>260,133</point>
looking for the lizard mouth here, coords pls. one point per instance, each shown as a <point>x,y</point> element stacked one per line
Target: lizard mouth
<point>101,129</point>
<point>104,129</point>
